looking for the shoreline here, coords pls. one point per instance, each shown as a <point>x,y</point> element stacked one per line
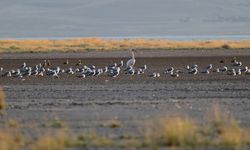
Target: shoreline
<point>99,44</point>
<point>182,53</point>
<point>170,37</point>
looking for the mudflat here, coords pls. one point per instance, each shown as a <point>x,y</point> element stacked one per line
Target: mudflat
<point>85,104</point>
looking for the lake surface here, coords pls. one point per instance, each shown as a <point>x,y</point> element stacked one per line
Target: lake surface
<point>178,19</point>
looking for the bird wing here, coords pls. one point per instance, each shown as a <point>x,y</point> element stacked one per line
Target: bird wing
<point>130,62</point>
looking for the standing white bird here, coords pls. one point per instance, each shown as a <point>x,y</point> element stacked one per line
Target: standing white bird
<point>131,62</point>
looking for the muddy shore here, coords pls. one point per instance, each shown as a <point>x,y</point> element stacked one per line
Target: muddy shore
<point>85,104</point>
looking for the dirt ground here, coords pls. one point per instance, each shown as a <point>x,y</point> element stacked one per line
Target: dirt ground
<point>84,105</point>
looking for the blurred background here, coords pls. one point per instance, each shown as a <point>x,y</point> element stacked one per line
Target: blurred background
<point>174,19</point>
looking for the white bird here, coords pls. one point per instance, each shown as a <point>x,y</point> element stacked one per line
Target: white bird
<point>131,72</point>
<point>237,63</point>
<point>116,72</point>
<point>170,70</point>
<point>224,69</point>
<point>245,69</point>
<point>206,71</point>
<point>121,64</point>
<point>194,66</point>
<point>193,71</point>
<point>131,62</point>
<point>232,72</point>
<point>174,74</point>
<point>238,72</point>
<point>55,74</point>
<point>155,75</point>
<point>23,65</point>
<point>82,75</point>
<point>70,71</point>
<point>210,66</point>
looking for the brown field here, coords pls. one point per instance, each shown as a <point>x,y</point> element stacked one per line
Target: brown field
<point>98,44</point>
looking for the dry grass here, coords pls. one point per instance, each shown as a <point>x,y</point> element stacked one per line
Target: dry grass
<point>177,132</point>
<point>173,132</point>
<point>9,140</point>
<point>2,99</point>
<point>220,131</point>
<point>89,44</point>
<point>58,141</point>
<point>228,131</point>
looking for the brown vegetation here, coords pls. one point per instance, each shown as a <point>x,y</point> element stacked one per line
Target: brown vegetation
<point>2,99</point>
<point>90,44</point>
<point>181,132</point>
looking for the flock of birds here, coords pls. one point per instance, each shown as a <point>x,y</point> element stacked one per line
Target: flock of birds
<point>114,70</point>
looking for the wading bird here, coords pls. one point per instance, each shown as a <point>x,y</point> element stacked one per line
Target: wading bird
<point>131,62</point>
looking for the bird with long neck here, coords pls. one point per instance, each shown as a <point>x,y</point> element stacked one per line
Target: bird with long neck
<point>131,62</point>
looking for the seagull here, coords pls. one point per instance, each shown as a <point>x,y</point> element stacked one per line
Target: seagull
<point>139,71</point>
<point>232,72</point>
<point>7,74</point>
<point>82,75</point>
<point>90,72</point>
<point>206,71</point>
<point>1,68</point>
<point>238,72</point>
<point>248,72</point>
<point>217,70</point>
<point>170,70</point>
<point>174,74</point>
<point>210,66</point>
<point>245,69</point>
<point>113,66</point>
<point>98,72</point>
<point>193,71</point>
<point>120,64</point>
<point>155,75</point>
<point>131,62</point>
<point>116,72</point>
<point>224,69</point>
<point>144,67</point>
<point>40,73</point>
<point>55,74</point>
<point>70,71</point>
<point>131,71</point>
<point>92,67</point>
<point>105,70</point>
<point>23,65</point>
<point>237,63</point>
<point>194,66</point>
